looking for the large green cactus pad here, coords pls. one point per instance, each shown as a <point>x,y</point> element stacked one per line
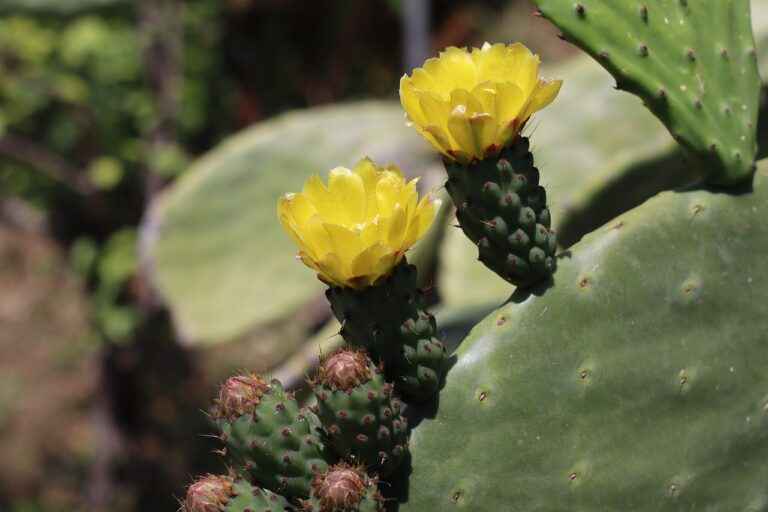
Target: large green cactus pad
<point>638,382</point>
<point>692,62</point>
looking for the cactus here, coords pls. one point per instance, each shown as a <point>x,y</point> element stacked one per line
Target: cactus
<point>344,488</point>
<point>636,383</point>
<point>361,418</point>
<point>268,435</point>
<point>693,63</point>
<point>215,493</point>
<point>389,320</point>
<point>502,208</point>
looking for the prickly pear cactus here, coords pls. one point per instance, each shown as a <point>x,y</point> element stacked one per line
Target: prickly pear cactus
<point>344,488</point>
<point>692,62</point>
<point>361,417</point>
<point>215,493</point>
<point>390,321</point>
<point>637,382</point>
<point>509,219</point>
<point>268,435</point>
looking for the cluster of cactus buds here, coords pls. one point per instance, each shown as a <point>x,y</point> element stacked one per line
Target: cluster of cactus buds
<point>326,456</point>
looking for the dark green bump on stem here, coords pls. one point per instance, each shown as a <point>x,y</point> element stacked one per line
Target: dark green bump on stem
<point>390,321</point>
<point>505,213</point>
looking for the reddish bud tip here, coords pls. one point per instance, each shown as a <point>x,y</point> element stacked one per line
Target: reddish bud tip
<point>211,493</point>
<point>239,395</point>
<point>346,369</point>
<point>342,487</point>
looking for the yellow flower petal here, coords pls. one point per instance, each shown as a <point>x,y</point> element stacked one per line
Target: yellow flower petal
<point>388,194</point>
<point>397,223</point>
<point>347,189</point>
<point>545,93</point>
<point>410,101</point>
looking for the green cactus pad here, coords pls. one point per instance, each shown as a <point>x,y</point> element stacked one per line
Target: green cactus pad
<point>344,488</point>
<point>692,62</point>
<point>214,493</point>
<point>269,436</point>
<point>638,382</point>
<point>389,320</point>
<point>359,413</point>
<point>502,208</point>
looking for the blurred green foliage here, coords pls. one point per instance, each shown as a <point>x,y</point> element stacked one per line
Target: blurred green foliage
<point>74,94</point>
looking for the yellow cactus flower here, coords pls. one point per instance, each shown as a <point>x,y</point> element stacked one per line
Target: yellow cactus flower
<point>470,104</point>
<point>354,231</point>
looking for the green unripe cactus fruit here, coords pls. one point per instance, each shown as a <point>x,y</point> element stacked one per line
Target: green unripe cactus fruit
<point>502,208</point>
<point>268,435</point>
<point>390,321</point>
<point>214,493</point>
<point>344,488</point>
<point>637,383</point>
<point>360,416</point>
<point>693,62</point>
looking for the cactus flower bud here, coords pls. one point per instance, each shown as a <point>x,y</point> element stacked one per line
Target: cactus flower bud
<point>345,369</point>
<point>343,488</point>
<point>239,395</point>
<point>211,493</point>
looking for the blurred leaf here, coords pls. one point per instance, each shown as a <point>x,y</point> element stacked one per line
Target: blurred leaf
<point>220,258</point>
<point>83,255</point>
<point>168,161</point>
<point>116,322</point>
<point>118,261</point>
<point>105,172</point>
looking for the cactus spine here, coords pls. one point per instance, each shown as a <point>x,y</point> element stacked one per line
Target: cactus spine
<point>502,208</point>
<point>390,321</point>
<point>268,435</point>
<point>361,418</point>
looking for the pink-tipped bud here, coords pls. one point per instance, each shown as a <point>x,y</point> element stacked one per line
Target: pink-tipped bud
<point>240,395</point>
<point>342,487</point>
<point>209,494</point>
<point>346,369</point>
